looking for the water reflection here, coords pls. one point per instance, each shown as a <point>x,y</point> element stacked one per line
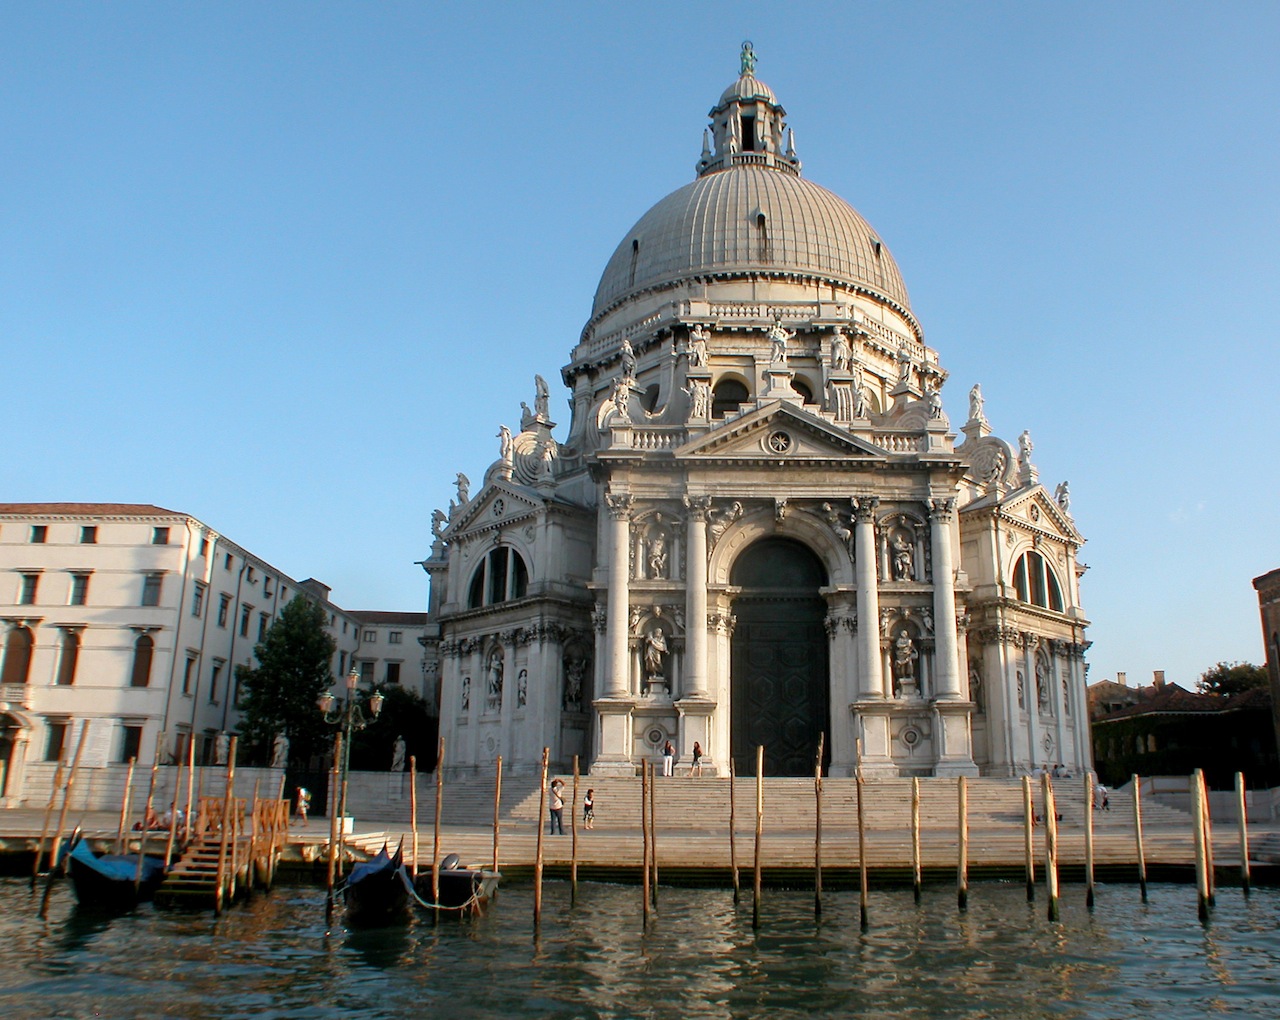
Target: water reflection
<point>699,957</point>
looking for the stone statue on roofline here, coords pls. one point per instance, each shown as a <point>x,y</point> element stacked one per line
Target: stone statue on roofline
<point>841,352</point>
<point>698,346</point>
<point>975,404</point>
<point>778,336</point>
<point>1062,496</point>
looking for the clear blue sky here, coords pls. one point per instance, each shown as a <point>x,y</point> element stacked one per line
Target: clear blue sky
<point>286,267</point>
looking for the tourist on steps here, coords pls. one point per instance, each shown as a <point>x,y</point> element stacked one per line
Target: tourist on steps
<point>589,810</point>
<point>668,759</point>
<point>557,807</point>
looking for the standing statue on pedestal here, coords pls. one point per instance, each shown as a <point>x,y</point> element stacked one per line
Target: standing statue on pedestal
<point>1062,496</point>
<point>464,489</point>
<point>628,355</point>
<point>1025,446</point>
<point>655,647</point>
<point>904,657</point>
<point>778,336</point>
<point>903,558</point>
<point>698,346</point>
<point>905,364</point>
<point>397,755</point>
<point>504,444</point>
<point>541,398</point>
<point>280,751</point>
<point>221,748</point>
<point>658,556</point>
<point>975,404</point>
<point>841,352</point>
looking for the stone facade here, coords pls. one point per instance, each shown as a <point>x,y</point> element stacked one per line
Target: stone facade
<point>1268,588</point>
<point>759,528</point>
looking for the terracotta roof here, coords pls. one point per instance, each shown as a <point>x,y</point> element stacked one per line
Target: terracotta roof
<point>88,510</point>
<point>1172,699</point>
<point>378,616</point>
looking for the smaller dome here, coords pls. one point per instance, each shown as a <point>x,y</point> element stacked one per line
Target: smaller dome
<point>748,86</point>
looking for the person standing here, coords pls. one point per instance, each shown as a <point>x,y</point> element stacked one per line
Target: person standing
<point>696,768</point>
<point>668,759</point>
<point>303,804</point>
<point>589,810</point>
<point>557,807</point>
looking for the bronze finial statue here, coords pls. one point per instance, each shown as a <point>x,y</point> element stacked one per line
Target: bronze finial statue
<point>748,58</point>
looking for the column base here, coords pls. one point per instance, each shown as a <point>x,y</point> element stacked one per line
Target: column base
<point>871,722</point>
<point>954,739</point>
<point>614,756</point>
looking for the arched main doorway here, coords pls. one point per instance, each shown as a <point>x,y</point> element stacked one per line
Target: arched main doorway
<point>779,673</point>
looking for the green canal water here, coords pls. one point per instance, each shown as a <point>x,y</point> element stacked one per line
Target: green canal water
<point>272,957</point>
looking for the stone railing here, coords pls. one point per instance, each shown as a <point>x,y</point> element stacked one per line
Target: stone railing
<point>897,442</point>
<point>657,439</point>
<point>762,311</point>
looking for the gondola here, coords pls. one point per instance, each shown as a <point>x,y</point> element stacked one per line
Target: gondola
<point>462,890</point>
<point>111,881</point>
<point>374,892</point>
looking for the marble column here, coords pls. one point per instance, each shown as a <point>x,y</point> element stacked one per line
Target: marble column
<point>618,678</point>
<point>946,663</point>
<point>695,674</point>
<point>870,671</point>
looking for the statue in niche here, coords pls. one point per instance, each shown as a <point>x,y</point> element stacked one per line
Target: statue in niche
<point>903,558</point>
<point>1025,446</point>
<point>575,673</point>
<point>504,444</point>
<point>658,555</point>
<point>841,353</point>
<point>1022,691</point>
<point>397,755</point>
<point>466,694</point>
<point>542,397</point>
<point>464,489</point>
<point>859,393</point>
<point>778,336</point>
<point>495,682</point>
<point>904,656</point>
<point>438,521</point>
<point>522,688</point>
<point>628,356</point>
<point>975,686</point>
<point>280,752</point>
<point>975,404</point>
<point>1042,685</point>
<point>698,337</point>
<point>1062,496</point>
<point>655,648</point>
<point>905,364</point>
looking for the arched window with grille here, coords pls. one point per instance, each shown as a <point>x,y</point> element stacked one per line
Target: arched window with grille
<point>502,577</point>
<point>1035,582</point>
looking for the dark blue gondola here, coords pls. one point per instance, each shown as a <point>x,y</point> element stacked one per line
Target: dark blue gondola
<point>462,890</point>
<point>374,892</point>
<point>110,881</point>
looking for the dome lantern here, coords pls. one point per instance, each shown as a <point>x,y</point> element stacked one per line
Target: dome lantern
<point>748,126</point>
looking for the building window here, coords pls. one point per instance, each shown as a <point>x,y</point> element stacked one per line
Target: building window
<point>1034,582</point>
<point>214,677</point>
<point>188,672</point>
<point>27,589</point>
<point>228,562</point>
<point>502,576</point>
<point>370,636</point>
<point>159,536</point>
<point>393,672</point>
<point>79,590</point>
<point>197,599</point>
<point>39,533</point>
<point>366,671</point>
<point>17,656</point>
<point>143,650</point>
<point>266,587</point>
<point>151,589</point>
<point>342,664</point>
<point>246,611</point>
<point>263,621</point>
<point>204,548</point>
<point>131,743</point>
<point>727,396</point>
<point>252,576</point>
<point>89,534</point>
<point>68,656</point>
<point>56,741</point>
<point>395,637</point>
<point>224,607</point>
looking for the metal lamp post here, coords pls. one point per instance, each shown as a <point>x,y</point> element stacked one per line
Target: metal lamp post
<point>350,716</point>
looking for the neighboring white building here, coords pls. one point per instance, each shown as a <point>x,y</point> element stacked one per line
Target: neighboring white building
<point>136,617</point>
<point>759,529</point>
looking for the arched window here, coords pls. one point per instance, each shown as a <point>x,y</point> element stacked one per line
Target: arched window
<point>726,397</point>
<point>1034,582</point>
<point>143,649</point>
<point>801,387</point>
<point>69,655</point>
<point>17,656</point>
<point>501,577</point>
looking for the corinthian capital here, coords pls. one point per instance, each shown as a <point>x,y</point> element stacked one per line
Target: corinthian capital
<point>942,509</point>
<point>619,505</point>
<point>864,508</point>
<point>698,506</point>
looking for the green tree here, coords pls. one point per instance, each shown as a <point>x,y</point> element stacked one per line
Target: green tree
<point>279,696</point>
<point>1227,678</point>
<point>404,714</point>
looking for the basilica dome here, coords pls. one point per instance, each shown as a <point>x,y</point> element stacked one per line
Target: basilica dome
<point>750,213</point>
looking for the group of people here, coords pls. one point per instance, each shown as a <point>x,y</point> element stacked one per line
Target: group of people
<point>152,821</point>
<point>555,804</point>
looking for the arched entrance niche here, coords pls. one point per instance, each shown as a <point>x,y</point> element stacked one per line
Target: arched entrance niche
<point>779,674</point>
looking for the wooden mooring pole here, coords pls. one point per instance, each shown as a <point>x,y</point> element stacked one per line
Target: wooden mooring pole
<point>1050,846</point>
<point>962,843</point>
<point>48,816</point>
<point>1028,837</point>
<point>333,829</point>
<point>413,814</point>
<point>537,860</point>
<point>733,839</point>
<point>573,830</point>
<point>755,903</point>
<point>916,869</point>
<point>644,840</point>
<point>148,813</point>
<point>66,798</point>
<point>227,841</point>
<point>124,807</point>
<point>1197,824</point>
<point>435,832</point>
<point>173,816</point>
<point>653,831</point>
<point>497,805</point>
<point>1136,783</point>
<point>1210,871</point>
<point>1088,838</point>
<point>817,828</point>
<point>1242,810</point>
<point>862,853</point>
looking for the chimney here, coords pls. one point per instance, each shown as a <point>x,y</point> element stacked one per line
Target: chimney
<point>1157,678</point>
<point>1122,679</point>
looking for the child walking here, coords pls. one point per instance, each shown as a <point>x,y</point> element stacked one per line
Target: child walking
<point>589,810</point>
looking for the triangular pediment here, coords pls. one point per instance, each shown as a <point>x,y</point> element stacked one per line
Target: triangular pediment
<point>1039,511</point>
<point>778,430</point>
<point>498,503</point>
